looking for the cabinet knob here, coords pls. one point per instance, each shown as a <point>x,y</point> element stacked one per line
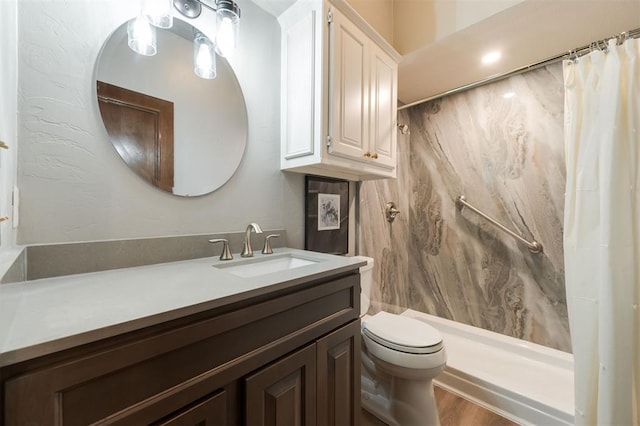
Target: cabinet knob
<point>367,154</point>
<point>374,155</point>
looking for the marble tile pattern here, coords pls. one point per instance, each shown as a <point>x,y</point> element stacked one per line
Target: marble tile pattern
<point>501,145</point>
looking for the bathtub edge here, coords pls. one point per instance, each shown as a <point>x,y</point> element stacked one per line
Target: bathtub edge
<point>496,400</point>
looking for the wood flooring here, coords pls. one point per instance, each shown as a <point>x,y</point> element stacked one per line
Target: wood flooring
<point>453,411</point>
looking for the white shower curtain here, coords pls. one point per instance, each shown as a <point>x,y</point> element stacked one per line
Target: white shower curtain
<point>602,232</point>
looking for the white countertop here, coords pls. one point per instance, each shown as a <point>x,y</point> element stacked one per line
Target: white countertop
<point>48,315</point>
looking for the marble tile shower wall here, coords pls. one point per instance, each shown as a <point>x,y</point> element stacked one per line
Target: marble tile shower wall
<point>501,145</point>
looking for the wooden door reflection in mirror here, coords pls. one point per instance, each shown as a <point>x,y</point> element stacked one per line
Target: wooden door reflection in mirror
<point>141,129</point>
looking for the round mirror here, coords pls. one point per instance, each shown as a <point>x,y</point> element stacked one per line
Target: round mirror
<point>181,133</point>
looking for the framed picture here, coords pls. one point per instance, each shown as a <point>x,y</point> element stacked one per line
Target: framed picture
<point>328,211</point>
<point>326,215</point>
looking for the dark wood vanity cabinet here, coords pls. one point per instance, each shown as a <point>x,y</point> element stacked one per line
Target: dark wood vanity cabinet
<point>289,358</point>
<point>319,384</point>
<point>338,367</point>
<point>284,393</point>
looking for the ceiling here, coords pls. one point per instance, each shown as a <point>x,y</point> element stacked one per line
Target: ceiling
<point>527,33</point>
<point>274,7</point>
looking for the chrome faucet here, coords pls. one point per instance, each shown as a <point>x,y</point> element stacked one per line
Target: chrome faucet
<point>247,251</point>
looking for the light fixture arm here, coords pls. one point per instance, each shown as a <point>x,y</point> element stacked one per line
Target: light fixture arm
<point>189,8</point>
<point>193,8</point>
<point>208,6</point>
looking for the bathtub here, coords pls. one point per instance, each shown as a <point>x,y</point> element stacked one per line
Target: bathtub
<point>527,383</point>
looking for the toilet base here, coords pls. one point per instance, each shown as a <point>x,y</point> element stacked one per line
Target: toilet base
<point>397,401</point>
<point>379,407</point>
<point>414,402</point>
<point>404,408</point>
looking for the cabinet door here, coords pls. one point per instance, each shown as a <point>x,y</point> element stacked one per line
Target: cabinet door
<point>348,89</point>
<point>384,82</point>
<point>339,376</point>
<point>301,80</point>
<point>284,393</point>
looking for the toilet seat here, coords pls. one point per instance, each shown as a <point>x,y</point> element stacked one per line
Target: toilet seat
<point>402,334</point>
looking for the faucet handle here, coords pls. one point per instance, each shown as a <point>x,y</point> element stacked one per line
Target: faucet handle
<point>267,244</point>
<point>226,253</point>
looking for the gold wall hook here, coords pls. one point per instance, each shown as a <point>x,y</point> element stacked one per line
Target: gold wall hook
<point>4,145</point>
<point>4,218</point>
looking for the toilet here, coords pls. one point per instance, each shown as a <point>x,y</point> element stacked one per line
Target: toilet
<point>400,358</point>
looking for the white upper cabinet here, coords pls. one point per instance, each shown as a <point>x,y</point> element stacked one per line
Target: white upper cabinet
<point>383,104</point>
<point>339,94</point>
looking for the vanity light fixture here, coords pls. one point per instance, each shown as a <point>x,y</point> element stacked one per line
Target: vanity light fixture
<point>141,31</point>
<point>204,56</point>
<point>142,36</point>
<point>188,8</point>
<point>159,13</point>
<point>227,27</point>
<point>227,20</point>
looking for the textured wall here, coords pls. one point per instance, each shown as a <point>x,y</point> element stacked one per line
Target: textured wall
<point>75,187</point>
<point>8,123</point>
<point>506,155</point>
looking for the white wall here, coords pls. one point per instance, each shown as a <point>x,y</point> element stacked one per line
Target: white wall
<point>418,23</point>
<point>452,16</point>
<point>75,187</point>
<point>8,121</point>
<point>378,14</point>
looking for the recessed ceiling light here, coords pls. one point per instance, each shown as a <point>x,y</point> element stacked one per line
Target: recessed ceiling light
<point>509,95</point>
<point>491,57</point>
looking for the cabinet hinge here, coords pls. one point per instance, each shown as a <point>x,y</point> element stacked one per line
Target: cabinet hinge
<point>329,17</point>
<point>328,141</point>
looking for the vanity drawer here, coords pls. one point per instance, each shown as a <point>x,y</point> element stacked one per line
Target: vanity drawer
<point>210,412</point>
<point>178,365</point>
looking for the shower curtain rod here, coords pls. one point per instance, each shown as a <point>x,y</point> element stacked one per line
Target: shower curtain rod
<point>573,53</point>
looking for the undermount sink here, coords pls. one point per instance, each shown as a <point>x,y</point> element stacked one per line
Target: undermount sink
<point>265,265</point>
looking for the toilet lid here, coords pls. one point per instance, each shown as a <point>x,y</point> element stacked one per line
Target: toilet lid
<point>402,333</point>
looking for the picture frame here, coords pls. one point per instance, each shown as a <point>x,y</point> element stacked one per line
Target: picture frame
<point>326,215</point>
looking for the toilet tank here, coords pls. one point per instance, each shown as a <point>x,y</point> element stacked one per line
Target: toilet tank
<point>366,279</point>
